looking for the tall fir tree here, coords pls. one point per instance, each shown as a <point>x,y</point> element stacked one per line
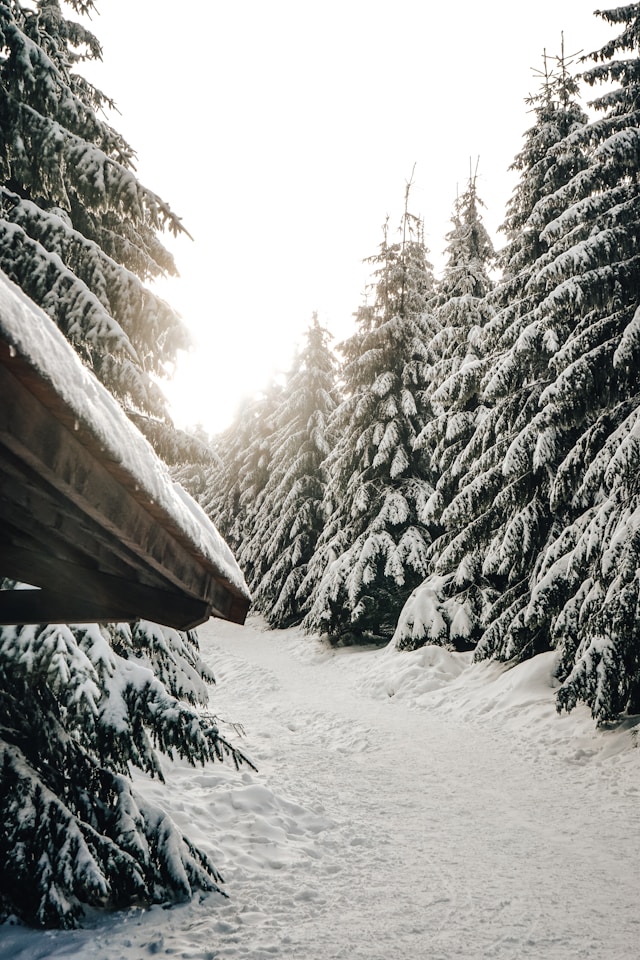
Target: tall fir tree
<point>373,547</point>
<point>587,587</point>
<point>289,514</point>
<point>78,231</point>
<point>495,520</point>
<point>236,482</point>
<point>459,316</point>
<point>520,516</point>
<point>80,706</point>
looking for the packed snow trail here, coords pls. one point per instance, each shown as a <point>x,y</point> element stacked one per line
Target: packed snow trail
<point>399,811</point>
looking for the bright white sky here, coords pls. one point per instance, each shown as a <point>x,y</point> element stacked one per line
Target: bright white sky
<point>283,133</point>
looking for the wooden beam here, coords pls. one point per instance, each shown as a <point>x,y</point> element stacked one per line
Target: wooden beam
<point>76,594</point>
<point>34,514</point>
<point>81,487</point>
<point>19,607</point>
<point>59,459</point>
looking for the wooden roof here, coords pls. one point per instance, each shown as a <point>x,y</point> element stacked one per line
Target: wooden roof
<point>81,527</point>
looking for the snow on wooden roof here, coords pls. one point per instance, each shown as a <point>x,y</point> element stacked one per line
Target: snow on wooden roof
<point>88,513</point>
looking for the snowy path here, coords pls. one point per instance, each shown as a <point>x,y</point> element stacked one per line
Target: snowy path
<point>377,830</point>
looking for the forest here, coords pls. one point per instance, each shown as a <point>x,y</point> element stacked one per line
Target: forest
<point>460,472</point>
<point>464,473</point>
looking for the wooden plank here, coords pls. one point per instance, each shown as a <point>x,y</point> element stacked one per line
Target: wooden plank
<point>84,486</point>
<point>56,406</point>
<point>33,514</point>
<point>19,607</point>
<point>75,594</point>
<point>47,549</point>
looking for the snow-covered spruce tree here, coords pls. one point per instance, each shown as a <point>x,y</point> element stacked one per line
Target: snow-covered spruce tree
<point>78,232</point>
<point>520,516</point>
<point>218,492</point>
<point>495,518</point>
<point>543,166</point>
<point>289,512</point>
<point>373,548</point>
<point>80,706</point>
<point>235,483</point>
<point>459,316</point>
<point>587,587</point>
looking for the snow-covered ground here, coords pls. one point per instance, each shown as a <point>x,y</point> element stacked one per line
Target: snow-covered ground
<point>407,806</point>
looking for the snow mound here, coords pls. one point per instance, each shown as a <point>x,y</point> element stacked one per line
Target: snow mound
<point>520,697</point>
<point>412,675</point>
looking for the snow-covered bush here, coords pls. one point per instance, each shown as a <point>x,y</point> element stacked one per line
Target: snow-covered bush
<point>78,708</point>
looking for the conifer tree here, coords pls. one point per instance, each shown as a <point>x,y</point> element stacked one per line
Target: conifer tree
<point>78,231</point>
<point>495,519</point>
<point>194,472</point>
<point>519,515</point>
<point>235,483</point>
<point>459,316</point>
<point>586,590</point>
<point>80,706</point>
<point>289,514</point>
<point>372,550</point>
